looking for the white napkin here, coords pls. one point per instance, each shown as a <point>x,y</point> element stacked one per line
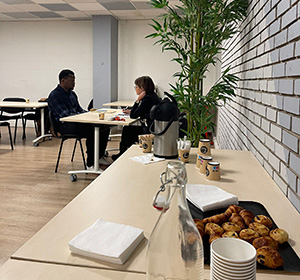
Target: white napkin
<point>107,241</point>
<point>146,159</point>
<point>208,197</point>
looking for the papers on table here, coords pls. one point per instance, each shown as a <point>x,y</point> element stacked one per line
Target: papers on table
<point>124,115</point>
<point>108,111</point>
<point>208,197</point>
<point>146,159</point>
<point>107,241</point>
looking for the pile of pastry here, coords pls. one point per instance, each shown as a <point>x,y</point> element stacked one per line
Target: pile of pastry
<point>237,222</point>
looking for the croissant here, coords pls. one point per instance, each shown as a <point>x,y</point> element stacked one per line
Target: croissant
<point>233,209</point>
<point>247,216</point>
<point>217,219</point>
<point>237,219</point>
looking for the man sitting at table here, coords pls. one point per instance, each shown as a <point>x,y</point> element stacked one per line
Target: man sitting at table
<point>63,102</point>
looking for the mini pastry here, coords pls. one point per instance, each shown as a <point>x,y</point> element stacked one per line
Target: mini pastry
<point>265,241</point>
<point>200,226</point>
<point>237,219</point>
<point>212,228</point>
<point>280,235</point>
<point>260,228</point>
<point>230,234</point>
<point>229,226</point>
<point>233,209</point>
<point>248,235</point>
<point>217,219</point>
<point>247,216</point>
<point>269,257</point>
<point>262,219</point>
<point>213,237</point>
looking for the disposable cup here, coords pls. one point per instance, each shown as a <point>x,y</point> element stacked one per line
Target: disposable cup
<point>146,146</point>
<point>233,264</point>
<point>233,250</point>
<point>229,271</point>
<point>101,115</point>
<point>230,267</point>
<point>219,275</point>
<point>184,155</point>
<point>234,276</point>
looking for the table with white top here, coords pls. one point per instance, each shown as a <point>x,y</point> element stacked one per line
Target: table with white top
<point>31,105</point>
<point>93,118</point>
<point>120,103</point>
<point>124,193</point>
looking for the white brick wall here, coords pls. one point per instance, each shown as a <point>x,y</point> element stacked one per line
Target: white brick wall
<point>264,117</point>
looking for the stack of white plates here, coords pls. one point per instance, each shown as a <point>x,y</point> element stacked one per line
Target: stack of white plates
<point>232,259</point>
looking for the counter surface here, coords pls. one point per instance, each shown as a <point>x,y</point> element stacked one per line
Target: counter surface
<point>124,193</point>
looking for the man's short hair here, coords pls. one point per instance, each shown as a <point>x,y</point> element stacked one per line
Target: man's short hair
<point>65,73</point>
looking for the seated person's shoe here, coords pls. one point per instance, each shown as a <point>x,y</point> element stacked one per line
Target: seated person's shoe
<point>115,157</point>
<point>103,161</point>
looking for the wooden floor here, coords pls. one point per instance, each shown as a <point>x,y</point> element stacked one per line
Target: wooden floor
<point>30,192</point>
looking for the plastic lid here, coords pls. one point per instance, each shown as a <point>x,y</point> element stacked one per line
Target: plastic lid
<point>207,158</point>
<point>214,163</point>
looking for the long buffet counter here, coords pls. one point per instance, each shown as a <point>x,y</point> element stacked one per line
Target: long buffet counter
<point>124,193</point>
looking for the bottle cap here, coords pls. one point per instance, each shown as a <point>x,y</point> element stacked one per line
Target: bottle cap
<point>159,202</point>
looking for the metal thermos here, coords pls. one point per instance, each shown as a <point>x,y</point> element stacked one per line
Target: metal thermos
<point>166,127</point>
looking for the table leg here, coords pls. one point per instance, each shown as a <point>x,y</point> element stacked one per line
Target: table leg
<point>43,135</point>
<point>96,147</point>
<point>96,169</point>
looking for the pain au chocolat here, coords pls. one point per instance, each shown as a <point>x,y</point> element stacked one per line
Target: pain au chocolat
<point>269,257</point>
<point>265,241</point>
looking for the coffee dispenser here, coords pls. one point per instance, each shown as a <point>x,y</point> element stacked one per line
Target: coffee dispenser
<point>166,127</point>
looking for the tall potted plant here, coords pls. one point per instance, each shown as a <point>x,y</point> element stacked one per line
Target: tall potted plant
<point>195,31</point>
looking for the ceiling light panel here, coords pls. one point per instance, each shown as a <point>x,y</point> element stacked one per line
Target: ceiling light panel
<point>59,7</point>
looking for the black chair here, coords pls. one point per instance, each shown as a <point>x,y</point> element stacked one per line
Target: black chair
<point>3,123</point>
<point>65,137</point>
<point>13,114</point>
<point>32,116</point>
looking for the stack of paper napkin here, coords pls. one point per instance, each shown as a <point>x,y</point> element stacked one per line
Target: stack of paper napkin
<point>146,159</point>
<point>208,197</point>
<point>107,241</point>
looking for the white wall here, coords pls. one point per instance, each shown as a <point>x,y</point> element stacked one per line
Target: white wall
<point>138,57</point>
<point>33,53</point>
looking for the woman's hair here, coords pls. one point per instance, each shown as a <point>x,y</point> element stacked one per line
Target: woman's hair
<point>146,83</point>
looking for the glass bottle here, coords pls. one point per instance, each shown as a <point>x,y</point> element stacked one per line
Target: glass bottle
<point>175,248</point>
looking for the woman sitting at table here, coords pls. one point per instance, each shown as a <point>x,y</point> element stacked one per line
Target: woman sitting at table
<point>146,99</point>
